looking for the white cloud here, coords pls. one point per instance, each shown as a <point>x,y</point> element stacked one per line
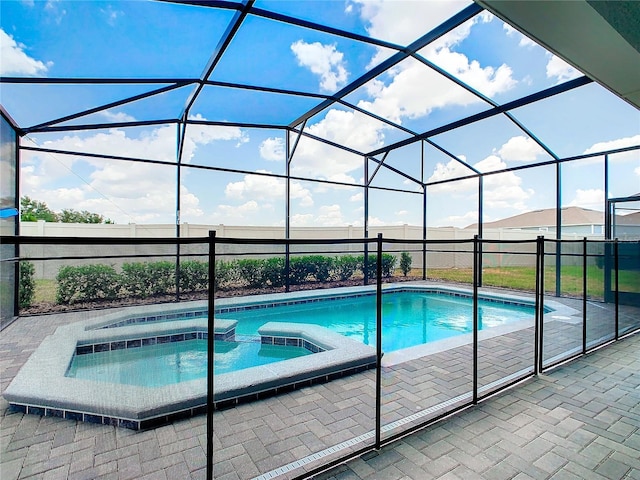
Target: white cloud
<point>125,192</point>
<point>111,15</point>
<point>524,41</point>
<point>500,191</point>
<point>404,95</point>
<point>462,220</point>
<point>614,144</point>
<point>591,198</point>
<point>139,193</point>
<point>323,60</point>
<point>488,80</point>
<point>260,187</point>
<point>358,197</point>
<point>51,7</point>
<point>376,222</point>
<point>329,216</point>
<point>237,214</point>
<point>403,22</point>
<point>302,220</point>
<point>318,160</point>
<point>15,60</point>
<point>272,149</point>
<point>204,134</point>
<point>621,157</point>
<point>452,169</point>
<point>560,70</point>
<point>637,171</point>
<point>158,144</point>
<point>402,213</point>
<point>520,149</point>
<point>503,190</point>
<point>117,116</point>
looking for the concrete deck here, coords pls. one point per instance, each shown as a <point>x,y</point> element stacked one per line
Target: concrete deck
<point>581,420</point>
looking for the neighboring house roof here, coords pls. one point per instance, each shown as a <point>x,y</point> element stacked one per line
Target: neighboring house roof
<point>547,218</point>
<point>630,219</point>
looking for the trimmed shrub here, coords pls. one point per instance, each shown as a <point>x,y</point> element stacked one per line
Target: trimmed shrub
<point>27,286</point>
<point>300,269</point>
<point>163,274</point>
<point>388,264</point>
<point>344,267</point>
<point>86,283</point>
<point>274,271</point>
<point>371,264</point>
<point>194,275</point>
<point>250,272</point>
<point>319,267</point>
<point>226,273</point>
<point>405,263</point>
<point>142,280</point>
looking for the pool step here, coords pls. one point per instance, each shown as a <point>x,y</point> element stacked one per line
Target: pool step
<point>247,338</point>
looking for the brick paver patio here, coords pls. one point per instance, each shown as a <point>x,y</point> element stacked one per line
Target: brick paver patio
<point>581,420</point>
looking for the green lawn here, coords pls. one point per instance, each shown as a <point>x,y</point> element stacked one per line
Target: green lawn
<point>517,278</point>
<point>523,278</point>
<point>45,291</point>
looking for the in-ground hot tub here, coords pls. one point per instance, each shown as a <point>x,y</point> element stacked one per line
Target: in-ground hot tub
<point>46,385</point>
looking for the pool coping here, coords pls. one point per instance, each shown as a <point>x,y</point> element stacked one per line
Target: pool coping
<point>43,375</point>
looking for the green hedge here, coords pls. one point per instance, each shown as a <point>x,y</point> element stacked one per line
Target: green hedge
<point>250,272</point>
<point>142,280</point>
<point>388,264</point>
<point>194,275</point>
<point>87,283</point>
<point>27,286</point>
<point>344,267</point>
<point>145,279</point>
<point>405,263</point>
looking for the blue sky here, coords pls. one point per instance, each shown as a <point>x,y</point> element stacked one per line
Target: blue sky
<point>143,39</point>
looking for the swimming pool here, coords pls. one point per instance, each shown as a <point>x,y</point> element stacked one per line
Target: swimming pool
<point>337,326</point>
<point>410,317</point>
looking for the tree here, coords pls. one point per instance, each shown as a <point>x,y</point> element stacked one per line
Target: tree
<point>34,210</point>
<point>405,263</point>
<point>73,216</point>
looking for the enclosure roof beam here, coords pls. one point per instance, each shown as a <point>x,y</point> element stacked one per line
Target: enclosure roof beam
<point>100,126</point>
<point>451,155</point>
<point>540,164</point>
<point>393,169</point>
<point>483,97</point>
<point>521,102</point>
<point>450,24</point>
<point>215,57</point>
<point>266,89</point>
<point>93,80</point>
<point>105,107</point>
<point>323,28</point>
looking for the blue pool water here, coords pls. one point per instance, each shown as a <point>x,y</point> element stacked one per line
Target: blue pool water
<point>409,318</point>
<point>169,363</point>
